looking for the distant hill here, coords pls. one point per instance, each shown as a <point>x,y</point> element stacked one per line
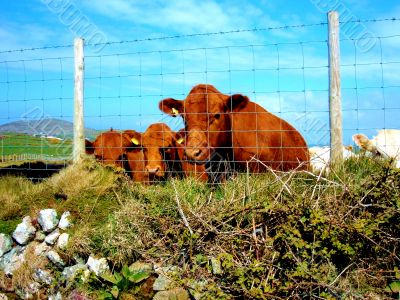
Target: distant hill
<point>49,127</point>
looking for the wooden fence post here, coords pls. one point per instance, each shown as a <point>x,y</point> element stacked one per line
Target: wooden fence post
<point>335,98</point>
<point>79,134</point>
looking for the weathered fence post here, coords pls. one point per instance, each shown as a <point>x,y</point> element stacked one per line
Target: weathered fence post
<point>79,135</point>
<point>335,98</point>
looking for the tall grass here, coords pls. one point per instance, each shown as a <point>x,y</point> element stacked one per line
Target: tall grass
<point>280,235</point>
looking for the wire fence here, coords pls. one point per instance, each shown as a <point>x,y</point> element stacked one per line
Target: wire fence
<point>126,80</point>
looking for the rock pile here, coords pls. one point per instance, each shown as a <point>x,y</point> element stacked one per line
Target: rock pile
<point>45,237</point>
<point>42,239</point>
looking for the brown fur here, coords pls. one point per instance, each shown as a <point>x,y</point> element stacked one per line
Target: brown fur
<point>162,153</point>
<point>237,129</point>
<point>116,148</point>
<point>189,168</point>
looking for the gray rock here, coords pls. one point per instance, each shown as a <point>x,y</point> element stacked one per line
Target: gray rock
<point>40,236</point>
<point>12,260</point>
<point>3,296</point>
<point>48,219</point>
<point>62,241</point>
<point>24,232</point>
<point>78,259</point>
<point>175,294</point>
<point>5,243</point>
<point>41,249</point>
<point>55,258</point>
<point>43,276</point>
<point>57,296</point>
<point>216,266</point>
<point>141,266</point>
<point>97,265</point>
<point>64,221</point>
<point>164,282</point>
<point>52,237</point>
<point>69,273</point>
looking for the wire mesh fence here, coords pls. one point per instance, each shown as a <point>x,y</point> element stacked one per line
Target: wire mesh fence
<point>126,80</point>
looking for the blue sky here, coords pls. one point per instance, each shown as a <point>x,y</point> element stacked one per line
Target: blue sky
<point>284,70</point>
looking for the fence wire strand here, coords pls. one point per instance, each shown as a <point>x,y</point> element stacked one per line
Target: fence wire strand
<point>125,82</point>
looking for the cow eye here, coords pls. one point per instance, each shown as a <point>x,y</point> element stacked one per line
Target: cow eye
<point>217,116</point>
<point>166,150</point>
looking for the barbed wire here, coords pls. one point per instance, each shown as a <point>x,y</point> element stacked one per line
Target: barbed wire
<point>113,97</point>
<point>178,36</point>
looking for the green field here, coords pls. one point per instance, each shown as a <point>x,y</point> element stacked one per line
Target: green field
<point>18,144</point>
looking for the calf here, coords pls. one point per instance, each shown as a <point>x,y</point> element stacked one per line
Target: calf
<point>164,155</point>
<point>116,148</point>
<point>320,157</point>
<point>386,144</point>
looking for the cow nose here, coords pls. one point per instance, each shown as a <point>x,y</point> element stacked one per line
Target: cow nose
<point>152,169</point>
<point>193,153</point>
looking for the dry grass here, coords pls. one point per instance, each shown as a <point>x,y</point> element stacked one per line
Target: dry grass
<point>279,234</point>
<point>23,277</point>
<point>12,189</point>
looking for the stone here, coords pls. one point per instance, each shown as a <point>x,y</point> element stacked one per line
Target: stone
<point>78,259</point>
<point>69,273</point>
<point>40,236</point>
<point>97,266</point>
<point>62,241</point>
<point>5,243</point>
<point>64,221</point>
<point>141,266</point>
<point>162,283</point>
<point>216,266</point>
<point>41,249</point>
<point>57,296</point>
<point>24,232</point>
<point>43,276</point>
<point>12,260</point>
<point>48,219</point>
<point>3,296</point>
<point>55,258</point>
<point>52,237</point>
<point>29,291</point>
<point>174,294</point>
<point>76,295</point>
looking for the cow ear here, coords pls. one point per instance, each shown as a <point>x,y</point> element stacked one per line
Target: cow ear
<point>237,102</point>
<point>171,106</point>
<point>361,140</point>
<point>134,136</point>
<point>89,148</point>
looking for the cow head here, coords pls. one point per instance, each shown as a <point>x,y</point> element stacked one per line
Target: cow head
<point>158,144</point>
<point>109,147</point>
<point>206,114</point>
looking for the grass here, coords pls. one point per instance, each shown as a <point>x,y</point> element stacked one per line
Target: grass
<point>275,235</point>
<point>13,143</point>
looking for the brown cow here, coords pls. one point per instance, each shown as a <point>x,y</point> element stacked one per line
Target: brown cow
<point>237,129</point>
<point>116,148</point>
<point>163,153</point>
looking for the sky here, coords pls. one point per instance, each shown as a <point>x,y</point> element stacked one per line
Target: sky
<point>139,52</point>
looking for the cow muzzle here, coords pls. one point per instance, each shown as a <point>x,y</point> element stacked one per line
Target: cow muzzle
<point>197,147</point>
<point>155,170</point>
